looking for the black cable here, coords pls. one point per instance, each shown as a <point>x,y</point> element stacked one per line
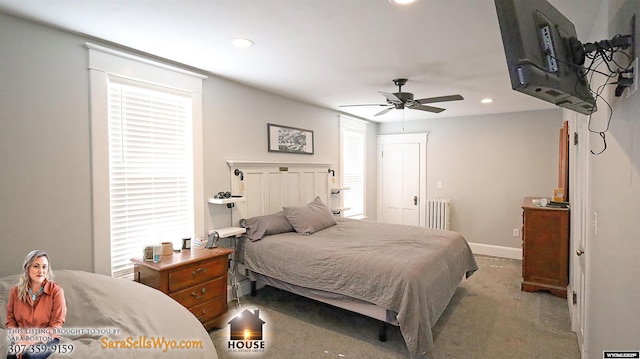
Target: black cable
<point>606,56</point>
<point>598,94</point>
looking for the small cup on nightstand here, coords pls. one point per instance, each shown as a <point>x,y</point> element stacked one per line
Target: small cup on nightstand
<point>157,253</point>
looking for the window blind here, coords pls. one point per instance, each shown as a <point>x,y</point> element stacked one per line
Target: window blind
<point>353,171</point>
<point>150,170</point>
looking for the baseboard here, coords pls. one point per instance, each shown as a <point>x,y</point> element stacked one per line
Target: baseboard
<point>496,251</point>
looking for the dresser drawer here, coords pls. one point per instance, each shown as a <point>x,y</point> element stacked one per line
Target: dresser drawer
<point>193,274</point>
<point>209,310</point>
<point>201,293</point>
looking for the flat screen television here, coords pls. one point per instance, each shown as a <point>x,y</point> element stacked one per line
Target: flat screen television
<point>540,45</point>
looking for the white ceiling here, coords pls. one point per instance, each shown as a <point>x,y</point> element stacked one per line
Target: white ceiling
<point>324,52</point>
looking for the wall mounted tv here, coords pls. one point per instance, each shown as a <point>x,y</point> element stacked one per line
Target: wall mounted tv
<point>540,45</point>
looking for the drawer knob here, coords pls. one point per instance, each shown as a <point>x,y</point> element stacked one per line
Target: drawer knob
<point>203,291</point>
<point>199,270</point>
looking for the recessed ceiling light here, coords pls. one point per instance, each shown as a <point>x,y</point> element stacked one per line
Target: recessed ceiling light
<point>242,42</point>
<point>486,100</point>
<point>402,2</point>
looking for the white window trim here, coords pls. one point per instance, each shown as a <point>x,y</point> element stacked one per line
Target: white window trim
<point>102,63</point>
<point>355,125</point>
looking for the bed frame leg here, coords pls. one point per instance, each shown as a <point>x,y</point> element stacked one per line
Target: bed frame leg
<point>253,288</point>
<point>382,335</point>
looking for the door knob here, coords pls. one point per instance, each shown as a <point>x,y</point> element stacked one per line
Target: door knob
<point>579,252</point>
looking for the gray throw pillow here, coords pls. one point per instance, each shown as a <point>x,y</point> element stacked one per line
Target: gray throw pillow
<point>310,218</point>
<point>260,226</point>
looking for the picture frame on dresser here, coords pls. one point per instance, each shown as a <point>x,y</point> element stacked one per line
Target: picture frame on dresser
<point>290,139</point>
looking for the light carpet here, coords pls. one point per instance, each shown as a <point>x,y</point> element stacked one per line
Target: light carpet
<point>488,317</point>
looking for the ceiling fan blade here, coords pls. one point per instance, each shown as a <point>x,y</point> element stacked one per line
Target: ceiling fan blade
<point>371,104</point>
<point>427,108</point>
<point>390,97</point>
<point>422,101</point>
<point>384,111</point>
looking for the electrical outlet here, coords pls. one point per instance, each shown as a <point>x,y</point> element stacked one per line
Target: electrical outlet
<point>516,232</point>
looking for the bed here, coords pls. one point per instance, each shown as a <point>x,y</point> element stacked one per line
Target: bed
<point>401,275</point>
<point>104,312</point>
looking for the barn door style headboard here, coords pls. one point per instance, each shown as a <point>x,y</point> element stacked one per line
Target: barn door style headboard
<point>268,186</point>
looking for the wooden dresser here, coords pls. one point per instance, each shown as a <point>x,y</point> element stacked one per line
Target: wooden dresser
<point>545,249</point>
<point>196,278</point>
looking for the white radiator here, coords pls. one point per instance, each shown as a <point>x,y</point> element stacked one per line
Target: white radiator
<point>439,213</point>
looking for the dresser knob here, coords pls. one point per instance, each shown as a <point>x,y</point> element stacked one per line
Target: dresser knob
<point>203,291</point>
<point>199,270</point>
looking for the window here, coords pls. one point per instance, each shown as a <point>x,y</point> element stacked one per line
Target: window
<point>150,169</point>
<point>352,148</point>
<point>146,154</point>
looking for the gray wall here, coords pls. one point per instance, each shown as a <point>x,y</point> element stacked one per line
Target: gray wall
<point>487,165</point>
<point>613,253</point>
<point>45,195</point>
<point>235,127</point>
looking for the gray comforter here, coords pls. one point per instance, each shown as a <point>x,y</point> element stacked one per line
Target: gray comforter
<point>410,270</point>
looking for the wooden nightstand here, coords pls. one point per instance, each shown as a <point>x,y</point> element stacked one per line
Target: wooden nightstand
<point>196,278</point>
<point>545,249</point>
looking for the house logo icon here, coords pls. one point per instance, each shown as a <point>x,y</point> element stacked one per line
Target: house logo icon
<point>245,332</point>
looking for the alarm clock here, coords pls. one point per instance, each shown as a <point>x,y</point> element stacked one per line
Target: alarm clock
<point>212,240</point>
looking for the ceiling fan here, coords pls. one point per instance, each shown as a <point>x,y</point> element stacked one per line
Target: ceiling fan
<point>400,100</point>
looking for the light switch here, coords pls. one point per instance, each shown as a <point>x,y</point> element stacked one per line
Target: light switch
<point>439,184</point>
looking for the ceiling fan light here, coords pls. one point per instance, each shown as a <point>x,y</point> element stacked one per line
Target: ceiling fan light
<point>401,2</point>
<point>242,42</point>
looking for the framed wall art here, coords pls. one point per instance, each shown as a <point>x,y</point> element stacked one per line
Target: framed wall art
<point>289,139</point>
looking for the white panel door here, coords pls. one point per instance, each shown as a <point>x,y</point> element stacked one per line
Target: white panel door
<point>402,179</point>
<point>580,224</point>
<point>400,182</point>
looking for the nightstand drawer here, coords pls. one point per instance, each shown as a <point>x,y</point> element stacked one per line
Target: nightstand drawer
<point>197,273</point>
<point>201,293</point>
<point>209,310</point>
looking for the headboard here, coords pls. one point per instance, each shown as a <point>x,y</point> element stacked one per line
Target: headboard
<point>268,186</point>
